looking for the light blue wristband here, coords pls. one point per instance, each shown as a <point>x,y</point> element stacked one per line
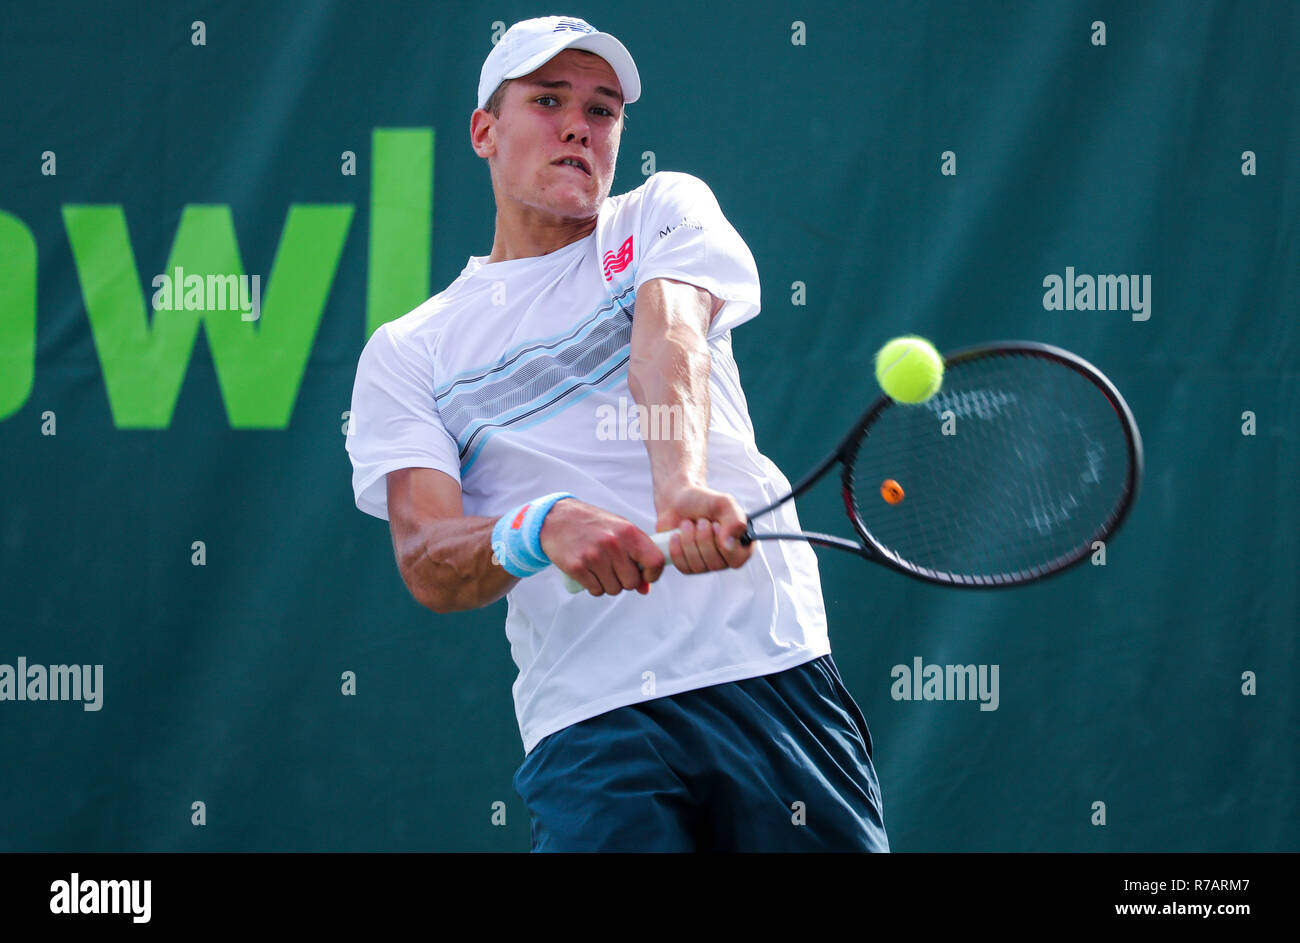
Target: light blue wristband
<point>517,536</point>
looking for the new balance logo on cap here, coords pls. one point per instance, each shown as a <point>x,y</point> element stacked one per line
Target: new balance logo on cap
<point>578,26</point>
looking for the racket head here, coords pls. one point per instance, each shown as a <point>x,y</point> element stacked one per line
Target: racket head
<point>1050,463</point>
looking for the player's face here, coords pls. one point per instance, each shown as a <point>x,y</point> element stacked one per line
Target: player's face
<point>539,125</point>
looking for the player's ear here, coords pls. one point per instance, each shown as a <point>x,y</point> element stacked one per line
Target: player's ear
<point>482,136</point>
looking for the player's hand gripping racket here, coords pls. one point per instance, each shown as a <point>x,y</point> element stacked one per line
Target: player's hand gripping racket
<point>1013,471</point>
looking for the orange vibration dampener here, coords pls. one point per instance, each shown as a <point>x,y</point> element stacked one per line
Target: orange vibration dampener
<point>891,491</point>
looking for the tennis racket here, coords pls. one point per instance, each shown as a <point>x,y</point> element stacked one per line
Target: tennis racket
<point>1012,472</point>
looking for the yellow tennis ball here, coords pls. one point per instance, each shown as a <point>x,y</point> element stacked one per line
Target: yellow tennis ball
<point>909,369</point>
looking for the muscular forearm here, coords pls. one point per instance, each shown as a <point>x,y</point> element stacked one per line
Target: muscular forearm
<point>669,370</point>
<point>670,378</point>
<point>447,564</point>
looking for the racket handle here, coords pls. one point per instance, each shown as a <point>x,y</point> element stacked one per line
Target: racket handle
<point>661,540</point>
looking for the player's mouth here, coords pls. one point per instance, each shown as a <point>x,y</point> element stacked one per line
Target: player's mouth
<point>581,165</point>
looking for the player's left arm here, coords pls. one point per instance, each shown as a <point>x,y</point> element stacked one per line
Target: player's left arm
<point>668,374</point>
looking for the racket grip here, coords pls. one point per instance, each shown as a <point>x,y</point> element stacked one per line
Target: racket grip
<point>661,540</point>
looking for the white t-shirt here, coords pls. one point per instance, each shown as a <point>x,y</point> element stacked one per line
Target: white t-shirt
<point>513,381</point>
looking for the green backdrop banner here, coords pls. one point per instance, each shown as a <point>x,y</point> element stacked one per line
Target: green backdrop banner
<point>178,514</point>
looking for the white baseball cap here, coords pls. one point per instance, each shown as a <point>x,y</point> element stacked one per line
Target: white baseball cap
<point>530,44</point>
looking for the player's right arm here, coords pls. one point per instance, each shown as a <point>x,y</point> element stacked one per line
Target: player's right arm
<point>445,557</point>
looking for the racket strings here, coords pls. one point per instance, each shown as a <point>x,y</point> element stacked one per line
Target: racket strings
<point>1016,463</point>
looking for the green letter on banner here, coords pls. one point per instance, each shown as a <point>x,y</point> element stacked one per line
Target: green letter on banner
<point>259,364</point>
<point>17,313</point>
<point>401,221</point>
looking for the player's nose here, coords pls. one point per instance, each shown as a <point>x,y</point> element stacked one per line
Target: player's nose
<point>576,124</point>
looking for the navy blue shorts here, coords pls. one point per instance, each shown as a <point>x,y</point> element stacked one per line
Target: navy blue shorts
<point>776,763</point>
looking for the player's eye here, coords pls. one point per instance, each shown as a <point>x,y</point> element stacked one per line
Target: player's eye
<point>601,108</point>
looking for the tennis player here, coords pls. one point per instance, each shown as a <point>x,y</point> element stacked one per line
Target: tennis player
<point>569,393</point>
